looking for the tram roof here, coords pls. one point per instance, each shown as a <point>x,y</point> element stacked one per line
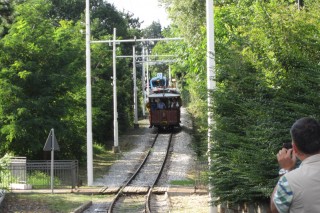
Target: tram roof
<point>164,95</point>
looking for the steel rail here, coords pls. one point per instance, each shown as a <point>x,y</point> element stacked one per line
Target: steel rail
<point>132,177</point>
<point>158,177</point>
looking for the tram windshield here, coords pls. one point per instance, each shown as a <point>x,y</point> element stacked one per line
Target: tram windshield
<point>158,82</point>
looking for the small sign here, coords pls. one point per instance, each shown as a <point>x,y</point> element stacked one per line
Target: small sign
<point>159,75</point>
<point>51,143</point>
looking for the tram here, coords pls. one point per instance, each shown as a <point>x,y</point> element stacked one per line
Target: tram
<point>163,105</point>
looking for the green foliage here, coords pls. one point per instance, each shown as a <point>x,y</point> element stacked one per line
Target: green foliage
<point>41,180</point>
<point>5,176</point>
<point>152,31</point>
<point>56,202</point>
<point>189,16</point>
<point>267,74</point>
<point>38,73</point>
<point>42,77</point>
<point>105,17</point>
<point>266,80</point>
<point>187,182</point>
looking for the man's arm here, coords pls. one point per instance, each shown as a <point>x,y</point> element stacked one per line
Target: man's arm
<point>287,160</point>
<point>281,197</point>
<point>273,207</point>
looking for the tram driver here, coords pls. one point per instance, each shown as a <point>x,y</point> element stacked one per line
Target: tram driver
<point>160,104</point>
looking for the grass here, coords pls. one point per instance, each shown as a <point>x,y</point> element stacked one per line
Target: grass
<point>62,203</point>
<point>187,182</point>
<point>103,158</point>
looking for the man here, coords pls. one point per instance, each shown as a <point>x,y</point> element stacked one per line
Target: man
<point>161,105</point>
<point>151,107</point>
<point>174,104</point>
<point>298,190</point>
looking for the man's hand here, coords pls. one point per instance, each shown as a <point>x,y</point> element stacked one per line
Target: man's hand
<point>286,159</point>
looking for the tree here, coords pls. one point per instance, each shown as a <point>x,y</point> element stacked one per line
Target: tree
<point>42,77</point>
<point>266,66</point>
<point>40,69</point>
<point>264,77</point>
<point>6,16</point>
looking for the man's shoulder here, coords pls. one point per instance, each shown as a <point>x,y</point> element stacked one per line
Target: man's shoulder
<point>307,169</point>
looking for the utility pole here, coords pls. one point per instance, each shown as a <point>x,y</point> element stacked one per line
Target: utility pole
<point>148,89</point>
<point>143,83</point>
<point>115,148</point>
<point>88,98</point>
<point>135,99</point>
<point>300,4</point>
<point>210,86</point>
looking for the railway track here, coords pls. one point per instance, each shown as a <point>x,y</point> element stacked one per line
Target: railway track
<point>136,194</point>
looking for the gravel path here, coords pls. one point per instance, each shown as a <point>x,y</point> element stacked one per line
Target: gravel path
<point>181,161</point>
<point>124,167</point>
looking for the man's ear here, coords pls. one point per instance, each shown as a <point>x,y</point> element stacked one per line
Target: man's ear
<point>295,148</point>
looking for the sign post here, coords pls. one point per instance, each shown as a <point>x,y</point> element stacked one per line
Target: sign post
<point>51,145</point>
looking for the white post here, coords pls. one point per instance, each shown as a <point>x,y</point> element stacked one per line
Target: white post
<point>210,85</point>
<point>143,83</point>
<point>52,160</point>
<point>170,84</point>
<point>88,98</point>
<point>148,90</point>
<point>135,99</point>
<point>115,104</point>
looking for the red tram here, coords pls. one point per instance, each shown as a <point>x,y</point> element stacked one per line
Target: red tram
<point>164,108</point>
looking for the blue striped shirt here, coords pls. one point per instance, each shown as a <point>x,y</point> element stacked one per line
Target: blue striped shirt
<point>283,195</point>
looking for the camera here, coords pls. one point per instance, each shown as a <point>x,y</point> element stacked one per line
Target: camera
<point>287,145</point>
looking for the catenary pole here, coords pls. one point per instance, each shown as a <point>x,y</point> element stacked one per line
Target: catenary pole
<point>135,98</point>
<point>210,86</point>
<point>148,87</point>
<point>170,76</point>
<point>88,98</point>
<point>52,160</point>
<point>143,82</point>
<point>115,103</point>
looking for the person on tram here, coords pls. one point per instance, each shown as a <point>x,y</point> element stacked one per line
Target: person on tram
<point>151,106</point>
<point>175,104</point>
<point>161,104</point>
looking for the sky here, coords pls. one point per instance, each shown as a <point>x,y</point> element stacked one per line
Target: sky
<point>147,10</point>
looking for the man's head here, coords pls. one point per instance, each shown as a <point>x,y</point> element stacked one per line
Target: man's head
<point>305,134</point>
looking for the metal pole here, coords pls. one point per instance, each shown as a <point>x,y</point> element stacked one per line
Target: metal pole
<point>138,40</point>
<point>210,86</point>
<point>52,160</point>
<point>135,99</point>
<point>115,104</point>
<point>169,76</point>
<point>148,89</point>
<point>143,84</point>
<point>88,98</point>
